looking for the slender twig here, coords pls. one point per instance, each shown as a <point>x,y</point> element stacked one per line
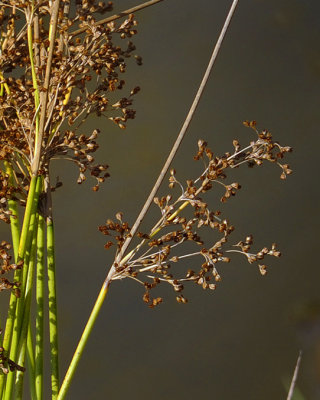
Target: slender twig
<point>295,376</point>
<point>181,134</point>
<point>117,16</point>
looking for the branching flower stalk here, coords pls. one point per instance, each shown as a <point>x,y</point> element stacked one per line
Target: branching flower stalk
<point>153,265</point>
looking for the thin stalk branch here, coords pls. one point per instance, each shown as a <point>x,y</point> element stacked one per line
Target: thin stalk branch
<point>44,93</point>
<point>31,362</point>
<point>39,311</point>
<point>52,295</point>
<point>14,217</point>
<point>15,234</point>
<point>104,290</point>
<point>117,16</point>
<point>295,376</point>
<point>180,136</point>
<point>12,334</point>
<point>83,341</point>
<point>26,321</point>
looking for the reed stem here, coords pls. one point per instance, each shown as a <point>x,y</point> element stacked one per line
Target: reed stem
<point>83,341</point>
<point>14,320</point>
<point>39,310</point>
<point>53,318</point>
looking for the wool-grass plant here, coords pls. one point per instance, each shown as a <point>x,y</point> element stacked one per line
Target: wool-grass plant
<point>58,66</point>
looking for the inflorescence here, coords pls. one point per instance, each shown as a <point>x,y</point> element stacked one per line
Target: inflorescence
<point>86,72</point>
<point>151,261</point>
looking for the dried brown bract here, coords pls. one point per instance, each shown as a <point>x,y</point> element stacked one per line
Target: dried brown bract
<point>152,261</point>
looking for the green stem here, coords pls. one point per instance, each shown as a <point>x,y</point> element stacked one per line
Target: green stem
<point>34,76</point>
<point>53,320</point>
<point>83,341</point>
<point>31,362</point>
<point>14,319</point>
<point>39,311</point>
<point>14,217</point>
<point>15,234</point>
<point>26,321</point>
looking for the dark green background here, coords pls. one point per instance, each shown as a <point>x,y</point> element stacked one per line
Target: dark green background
<point>242,341</point>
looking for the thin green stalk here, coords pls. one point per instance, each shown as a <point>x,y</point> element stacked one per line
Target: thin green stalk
<point>14,217</point>
<point>26,321</point>
<point>83,341</point>
<point>31,362</point>
<point>39,310</point>
<point>53,319</point>
<point>34,75</point>
<point>15,234</point>
<point>14,323</point>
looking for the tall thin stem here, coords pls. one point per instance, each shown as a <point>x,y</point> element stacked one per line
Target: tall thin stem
<point>26,321</point>
<point>44,94</point>
<point>104,290</point>
<point>83,341</point>
<point>15,234</point>
<point>52,294</point>
<point>181,133</point>
<point>14,326</point>
<point>39,310</point>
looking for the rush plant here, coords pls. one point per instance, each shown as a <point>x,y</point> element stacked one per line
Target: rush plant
<point>59,64</point>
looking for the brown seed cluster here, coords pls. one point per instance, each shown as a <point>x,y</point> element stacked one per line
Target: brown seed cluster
<point>6,267</point>
<point>86,73</point>
<point>6,364</point>
<point>153,260</point>
<point>7,192</point>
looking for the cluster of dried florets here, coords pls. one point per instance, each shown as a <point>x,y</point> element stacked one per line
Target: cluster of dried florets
<point>6,266</point>
<point>5,362</point>
<point>85,74</point>
<point>7,192</point>
<point>153,265</point>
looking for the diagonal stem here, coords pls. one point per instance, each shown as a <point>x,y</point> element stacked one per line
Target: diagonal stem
<point>181,133</point>
<point>104,290</point>
<point>117,16</point>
